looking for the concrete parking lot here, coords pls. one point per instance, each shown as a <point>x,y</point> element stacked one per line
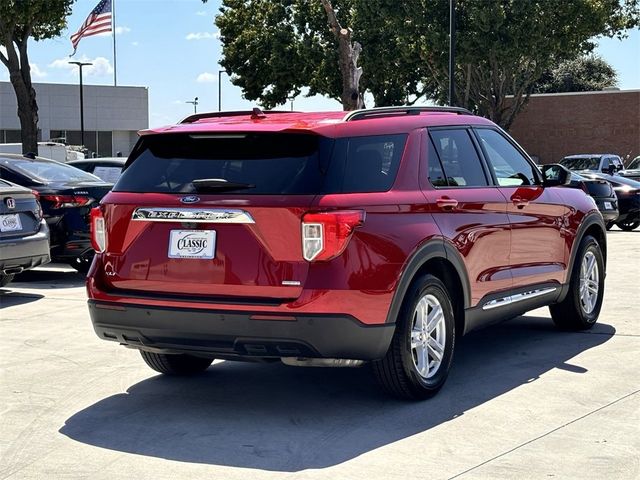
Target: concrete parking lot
<point>522,401</point>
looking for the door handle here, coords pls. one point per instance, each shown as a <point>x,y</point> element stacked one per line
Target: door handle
<point>447,203</point>
<point>520,202</point>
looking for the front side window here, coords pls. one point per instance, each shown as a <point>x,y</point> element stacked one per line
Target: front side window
<point>458,158</point>
<point>511,168</point>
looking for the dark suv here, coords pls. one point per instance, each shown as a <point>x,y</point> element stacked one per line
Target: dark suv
<point>377,236</point>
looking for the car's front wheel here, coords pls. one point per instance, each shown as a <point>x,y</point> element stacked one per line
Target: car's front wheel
<point>5,279</point>
<point>628,226</point>
<point>419,357</point>
<point>581,307</point>
<point>175,364</point>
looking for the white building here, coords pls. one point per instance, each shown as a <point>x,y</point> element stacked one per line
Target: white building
<point>112,115</point>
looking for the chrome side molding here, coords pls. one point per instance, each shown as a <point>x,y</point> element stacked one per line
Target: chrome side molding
<point>195,215</point>
<point>518,297</point>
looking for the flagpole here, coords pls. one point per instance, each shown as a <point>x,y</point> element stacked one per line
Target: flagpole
<point>113,31</point>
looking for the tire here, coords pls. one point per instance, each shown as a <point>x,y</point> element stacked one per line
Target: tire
<point>628,226</point>
<point>403,371</point>
<point>6,279</point>
<point>577,312</point>
<point>608,225</point>
<point>170,364</point>
<point>82,263</point>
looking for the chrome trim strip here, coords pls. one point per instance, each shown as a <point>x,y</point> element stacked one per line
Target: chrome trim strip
<point>518,297</point>
<point>192,215</point>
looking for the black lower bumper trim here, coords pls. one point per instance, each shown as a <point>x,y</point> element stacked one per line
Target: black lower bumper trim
<point>235,334</point>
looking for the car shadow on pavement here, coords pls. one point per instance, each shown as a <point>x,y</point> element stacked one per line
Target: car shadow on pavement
<point>9,298</point>
<point>289,419</point>
<point>41,278</point>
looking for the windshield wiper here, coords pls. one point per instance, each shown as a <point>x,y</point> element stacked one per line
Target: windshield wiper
<point>219,184</point>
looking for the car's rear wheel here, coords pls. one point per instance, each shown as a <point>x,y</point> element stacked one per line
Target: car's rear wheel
<point>581,307</point>
<point>6,279</point>
<point>608,225</point>
<point>180,364</point>
<point>419,357</point>
<point>628,226</point>
<point>82,263</point>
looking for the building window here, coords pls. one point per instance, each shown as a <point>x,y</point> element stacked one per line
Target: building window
<point>14,136</point>
<point>99,143</point>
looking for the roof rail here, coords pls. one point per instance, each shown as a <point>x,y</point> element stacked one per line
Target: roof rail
<point>199,116</point>
<point>403,110</point>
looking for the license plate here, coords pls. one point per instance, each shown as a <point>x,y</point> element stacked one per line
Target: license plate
<point>10,223</point>
<point>192,244</point>
<point>608,206</point>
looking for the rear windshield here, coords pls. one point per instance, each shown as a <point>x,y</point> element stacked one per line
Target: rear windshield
<point>48,171</point>
<point>262,164</point>
<point>587,163</point>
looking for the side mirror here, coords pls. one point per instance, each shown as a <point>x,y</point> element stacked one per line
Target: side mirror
<point>555,175</point>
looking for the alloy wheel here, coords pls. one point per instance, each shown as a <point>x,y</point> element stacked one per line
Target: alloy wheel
<point>428,336</point>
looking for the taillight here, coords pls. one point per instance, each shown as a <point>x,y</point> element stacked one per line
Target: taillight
<point>98,230</point>
<point>67,201</point>
<point>38,211</point>
<point>325,235</point>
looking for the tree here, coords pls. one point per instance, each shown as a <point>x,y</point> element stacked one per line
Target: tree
<point>581,74</point>
<point>275,48</point>
<point>21,20</point>
<point>504,47</point>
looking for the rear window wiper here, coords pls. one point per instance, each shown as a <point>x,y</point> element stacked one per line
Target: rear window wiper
<point>219,184</point>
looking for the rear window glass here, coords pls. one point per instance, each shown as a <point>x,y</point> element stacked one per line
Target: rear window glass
<point>49,171</point>
<point>600,189</point>
<point>259,163</point>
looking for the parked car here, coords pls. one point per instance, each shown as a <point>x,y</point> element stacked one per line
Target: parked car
<point>377,236</point>
<point>628,195</point>
<point>107,168</point>
<point>632,170</point>
<point>604,163</point>
<point>67,195</point>
<point>602,192</point>
<point>24,236</point>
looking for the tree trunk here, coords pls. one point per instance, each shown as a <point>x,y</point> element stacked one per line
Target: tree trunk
<point>348,53</point>
<point>17,62</point>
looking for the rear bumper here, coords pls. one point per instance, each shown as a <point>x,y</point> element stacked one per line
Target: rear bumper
<point>26,252</point>
<point>228,334</point>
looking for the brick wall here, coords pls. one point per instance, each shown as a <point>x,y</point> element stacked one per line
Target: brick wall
<point>554,125</point>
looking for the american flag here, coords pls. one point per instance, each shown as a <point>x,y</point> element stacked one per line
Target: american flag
<point>98,21</point>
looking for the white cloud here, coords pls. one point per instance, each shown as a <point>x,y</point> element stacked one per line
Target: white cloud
<point>207,77</point>
<point>36,73</point>
<point>119,31</point>
<point>203,36</point>
<point>100,66</point>
<point>201,13</point>
<point>135,44</point>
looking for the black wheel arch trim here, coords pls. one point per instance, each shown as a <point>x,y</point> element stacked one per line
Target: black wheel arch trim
<point>590,219</point>
<point>435,248</point>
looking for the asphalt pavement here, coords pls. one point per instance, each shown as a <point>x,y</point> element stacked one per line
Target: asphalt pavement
<point>523,400</point>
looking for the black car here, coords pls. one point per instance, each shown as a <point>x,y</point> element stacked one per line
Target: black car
<point>628,193</point>
<point>107,169</point>
<point>601,191</point>
<point>24,235</point>
<point>67,195</point>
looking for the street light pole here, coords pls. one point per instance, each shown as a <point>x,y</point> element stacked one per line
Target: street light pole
<point>452,52</point>
<point>220,72</point>
<point>80,65</point>
<point>194,102</point>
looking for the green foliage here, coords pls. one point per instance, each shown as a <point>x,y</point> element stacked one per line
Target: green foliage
<point>38,19</point>
<point>581,74</point>
<point>505,46</point>
<point>274,48</point>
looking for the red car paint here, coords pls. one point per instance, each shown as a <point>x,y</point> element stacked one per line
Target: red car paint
<point>506,237</point>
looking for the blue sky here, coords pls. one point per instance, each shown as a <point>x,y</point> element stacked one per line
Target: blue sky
<point>171,46</point>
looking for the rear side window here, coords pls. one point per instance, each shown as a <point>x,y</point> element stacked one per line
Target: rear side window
<point>259,163</point>
<point>459,158</point>
<point>600,189</point>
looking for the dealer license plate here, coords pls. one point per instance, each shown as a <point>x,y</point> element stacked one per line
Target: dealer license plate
<point>608,206</point>
<point>192,244</point>
<point>10,223</point>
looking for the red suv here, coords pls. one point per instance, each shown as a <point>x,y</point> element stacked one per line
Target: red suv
<point>329,239</point>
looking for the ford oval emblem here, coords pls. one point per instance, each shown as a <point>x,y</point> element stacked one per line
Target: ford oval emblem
<point>190,199</point>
